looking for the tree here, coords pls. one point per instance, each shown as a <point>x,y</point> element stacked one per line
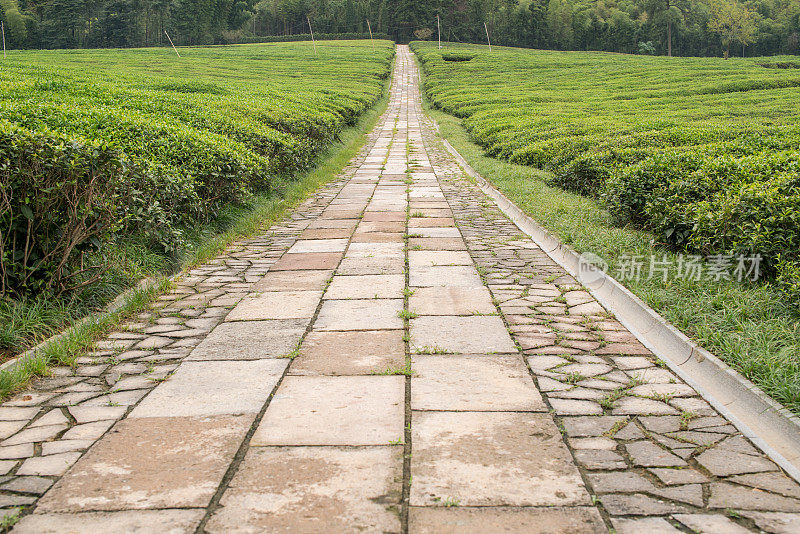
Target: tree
<point>668,14</point>
<point>733,22</point>
<point>559,22</point>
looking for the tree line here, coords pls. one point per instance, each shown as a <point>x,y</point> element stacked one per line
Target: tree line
<point>669,27</point>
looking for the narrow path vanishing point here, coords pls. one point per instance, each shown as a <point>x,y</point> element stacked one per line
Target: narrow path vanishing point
<point>270,390</point>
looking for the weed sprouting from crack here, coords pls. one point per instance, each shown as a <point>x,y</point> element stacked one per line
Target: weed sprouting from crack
<point>432,350</point>
<point>686,418</point>
<point>619,425</point>
<point>407,315</point>
<point>391,371</point>
<point>572,378</point>
<point>294,353</point>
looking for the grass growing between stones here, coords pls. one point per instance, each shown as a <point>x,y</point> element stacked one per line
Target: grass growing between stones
<point>749,326</point>
<point>64,349</point>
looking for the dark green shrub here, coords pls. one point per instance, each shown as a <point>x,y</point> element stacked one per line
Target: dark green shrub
<point>628,192</point>
<point>458,55</point>
<point>58,202</point>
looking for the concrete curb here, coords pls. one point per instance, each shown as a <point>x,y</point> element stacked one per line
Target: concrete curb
<point>118,303</point>
<point>762,420</point>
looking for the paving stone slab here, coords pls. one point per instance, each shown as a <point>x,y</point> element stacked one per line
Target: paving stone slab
<point>431,258</point>
<point>350,353</point>
<point>339,410</point>
<point>213,388</point>
<point>492,459</point>
<point>308,262</point>
<point>326,233</point>
<point>250,340</point>
<point>461,335</point>
<point>438,232</point>
<point>378,237</point>
<point>277,305</point>
<point>148,463</point>
<point>375,250</point>
<point>431,222</point>
<point>293,281</point>
<point>360,315</point>
<point>436,243</point>
<point>450,276</point>
<point>361,266</point>
<point>303,246</point>
<point>333,223</point>
<point>460,520</point>
<point>451,301</point>
<point>313,489</point>
<point>473,383</point>
<point>139,521</point>
<point>371,286</point>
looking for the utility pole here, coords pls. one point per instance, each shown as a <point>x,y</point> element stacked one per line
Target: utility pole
<point>3,28</point>
<point>487,37</point>
<point>312,34</point>
<point>439,29</point>
<point>370,34</point>
<point>170,42</point>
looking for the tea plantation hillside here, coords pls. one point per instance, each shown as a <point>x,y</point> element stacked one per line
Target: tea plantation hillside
<point>113,161</point>
<point>151,142</point>
<point>703,152</point>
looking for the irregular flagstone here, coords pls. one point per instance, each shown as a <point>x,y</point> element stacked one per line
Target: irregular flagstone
<point>777,522</point>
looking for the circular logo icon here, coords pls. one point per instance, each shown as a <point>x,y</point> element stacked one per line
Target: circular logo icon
<point>591,268</point>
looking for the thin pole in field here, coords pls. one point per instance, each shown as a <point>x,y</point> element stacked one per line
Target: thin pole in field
<point>487,36</point>
<point>173,44</point>
<point>370,34</point>
<point>439,29</point>
<point>312,34</point>
<point>3,28</point>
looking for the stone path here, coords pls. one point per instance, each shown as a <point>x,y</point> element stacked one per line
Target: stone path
<point>394,356</point>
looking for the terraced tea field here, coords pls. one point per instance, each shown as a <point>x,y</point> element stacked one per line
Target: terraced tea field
<point>133,150</point>
<point>703,152</point>
<point>191,134</point>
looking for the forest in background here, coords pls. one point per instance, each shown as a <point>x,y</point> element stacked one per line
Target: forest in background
<point>668,27</point>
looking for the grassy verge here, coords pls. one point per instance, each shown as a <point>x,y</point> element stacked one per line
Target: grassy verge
<point>749,326</point>
<point>23,324</point>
